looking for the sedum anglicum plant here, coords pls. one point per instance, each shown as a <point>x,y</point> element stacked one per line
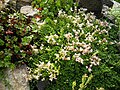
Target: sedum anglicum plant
<point>44,70</point>
<point>79,40</point>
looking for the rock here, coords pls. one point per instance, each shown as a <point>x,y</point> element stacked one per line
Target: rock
<point>41,85</point>
<point>15,4</point>
<point>17,79</point>
<point>108,3</point>
<point>91,5</point>
<point>2,86</point>
<point>26,0</point>
<point>116,4</point>
<point>3,3</point>
<point>111,13</point>
<point>28,10</point>
<point>110,18</point>
<point>21,3</point>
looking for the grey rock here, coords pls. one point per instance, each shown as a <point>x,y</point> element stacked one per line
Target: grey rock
<point>21,3</point>
<point>26,9</point>
<point>116,4</point>
<point>108,3</point>
<point>110,13</point>
<point>14,4</point>
<point>41,85</point>
<point>25,0</point>
<point>17,78</point>
<point>110,18</point>
<point>2,86</point>
<point>91,5</point>
<point>3,3</point>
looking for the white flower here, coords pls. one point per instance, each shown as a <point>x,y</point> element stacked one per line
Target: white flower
<point>57,56</point>
<point>60,12</point>
<point>70,48</point>
<point>67,58</point>
<point>84,9</point>
<point>33,46</point>
<point>36,51</point>
<point>36,77</point>
<point>89,68</point>
<point>103,23</point>
<point>49,68</point>
<point>29,77</point>
<point>75,8</point>
<point>76,55</point>
<point>84,45</point>
<point>95,60</point>
<point>68,36</point>
<point>80,49</point>
<point>89,24</point>
<point>55,36</point>
<point>52,76</point>
<point>85,51</point>
<point>55,21</point>
<point>79,59</point>
<point>70,16</point>
<point>73,43</point>
<point>90,38</point>
<point>104,40</point>
<point>63,53</point>
<point>78,43</point>
<point>80,25</point>
<point>48,64</point>
<point>111,43</point>
<point>51,39</point>
<point>41,47</point>
<point>71,9</point>
<point>43,79</point>
<point>68,25</point>
<point>40,24</point>
<point>103,31</point>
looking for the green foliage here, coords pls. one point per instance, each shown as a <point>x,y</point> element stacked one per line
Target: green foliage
<point>61,45</point>
<point>51,7</point>
<point>115,11</point>
<point>15,38</point>
<point>58,33</point>
<point>85,81</point>
<point>117,0</point>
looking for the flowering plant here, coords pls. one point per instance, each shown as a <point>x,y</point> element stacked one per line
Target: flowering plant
<point>74,42</point>
<point>74,38</point>
<point>43,70</point>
